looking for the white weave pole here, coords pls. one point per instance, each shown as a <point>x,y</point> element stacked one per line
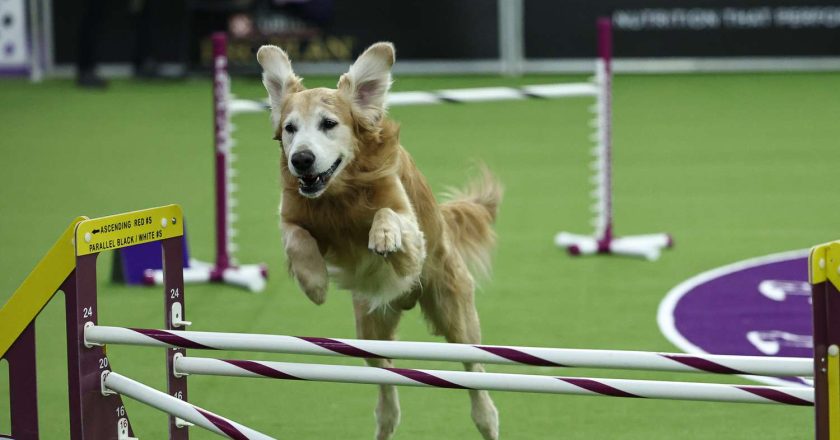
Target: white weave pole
<point>212,422</point>
<point>437,351</point>
<point>498,381</point>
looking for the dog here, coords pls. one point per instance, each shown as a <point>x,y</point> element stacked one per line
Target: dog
<point>355,208</point>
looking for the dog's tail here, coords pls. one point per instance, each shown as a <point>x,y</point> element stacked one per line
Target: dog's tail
<point>469,215</point>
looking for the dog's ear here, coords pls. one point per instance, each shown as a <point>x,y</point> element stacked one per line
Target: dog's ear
<point>278,77</point>
<point>367,82</point>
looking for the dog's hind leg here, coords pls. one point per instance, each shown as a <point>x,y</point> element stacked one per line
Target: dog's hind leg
<point>380,323</point>
<point>451,310</point>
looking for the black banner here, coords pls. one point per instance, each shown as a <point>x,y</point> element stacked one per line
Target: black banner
<point>338,30</point>
<point>327,30</point>
<point>685,28</point>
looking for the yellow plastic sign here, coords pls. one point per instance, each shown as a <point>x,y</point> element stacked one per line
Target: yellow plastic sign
<point>129,229</point>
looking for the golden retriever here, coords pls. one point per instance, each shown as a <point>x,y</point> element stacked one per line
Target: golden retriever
<point>356,208</point>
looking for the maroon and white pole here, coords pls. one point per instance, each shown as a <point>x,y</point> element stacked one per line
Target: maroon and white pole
<point>437,351</point>
<point>116,383</point>
<point>222,145</point>
<point>603,239</point>
<point>174,318</point>
<point>225,268</point>
<point>603,72</point>
<point>498,381</point>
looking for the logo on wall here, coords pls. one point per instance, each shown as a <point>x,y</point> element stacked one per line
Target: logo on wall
<point>301,28</point>
<point>756,307</point>
<point>14,54</point>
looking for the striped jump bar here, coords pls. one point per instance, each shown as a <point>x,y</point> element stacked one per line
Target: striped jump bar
<point>498,381</point>
<point>478,94</point>
<point>436,351</point>
<point>177,407</point>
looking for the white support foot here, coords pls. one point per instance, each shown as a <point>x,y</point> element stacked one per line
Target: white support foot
<point>647,246</point>
<point>197,272</point>
<point>577,244</point>
<point>249,276</point>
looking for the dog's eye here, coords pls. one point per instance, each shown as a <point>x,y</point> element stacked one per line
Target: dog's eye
<point>290,128</point>
<point>327,124</point>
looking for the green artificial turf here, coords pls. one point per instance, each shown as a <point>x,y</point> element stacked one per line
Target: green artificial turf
<point>734,166</point>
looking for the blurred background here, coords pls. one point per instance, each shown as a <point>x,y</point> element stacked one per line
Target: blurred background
<point>437,36</point>
<point>726,135</point>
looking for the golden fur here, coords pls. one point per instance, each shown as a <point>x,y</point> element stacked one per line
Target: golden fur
<point>377,229</point>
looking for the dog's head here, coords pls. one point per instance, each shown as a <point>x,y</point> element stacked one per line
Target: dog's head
<point>318,128</point>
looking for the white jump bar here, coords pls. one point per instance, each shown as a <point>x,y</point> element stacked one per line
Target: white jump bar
<point>481,94</point>
<point>437,351</point>
<point>478,94</point>
<point>562,90</point>
<point>236,106</point>
<point>178,408</point>
<point>498,381</point>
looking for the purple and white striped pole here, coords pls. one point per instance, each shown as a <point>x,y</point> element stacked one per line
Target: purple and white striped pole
<point>498,381</point>
<point>603,72</point>
<point>437,351</point>
<point>212,422</point>
<point>603,239</point>
<point>225,268</point>
<point>222,144</point>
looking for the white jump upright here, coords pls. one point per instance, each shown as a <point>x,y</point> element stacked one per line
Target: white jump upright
<point>603,241</point>
<point>225,268</point>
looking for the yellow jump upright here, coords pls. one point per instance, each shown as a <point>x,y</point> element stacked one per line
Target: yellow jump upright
<point>824,270</point>
<point>38,288</point>
<point>70,266</point>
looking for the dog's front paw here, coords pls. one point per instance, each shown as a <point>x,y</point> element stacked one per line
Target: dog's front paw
<point>312,280</point>
<point>385,234</point>
<point>306,264</point>
<point>316,293</point>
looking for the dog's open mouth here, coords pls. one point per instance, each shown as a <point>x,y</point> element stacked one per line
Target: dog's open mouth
<point>314,183</point>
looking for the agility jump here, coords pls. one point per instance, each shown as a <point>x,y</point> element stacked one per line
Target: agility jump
<point>602,240</point>
<point>95,390</point>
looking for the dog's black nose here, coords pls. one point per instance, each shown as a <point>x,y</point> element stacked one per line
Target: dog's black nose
<point>303,160</point>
